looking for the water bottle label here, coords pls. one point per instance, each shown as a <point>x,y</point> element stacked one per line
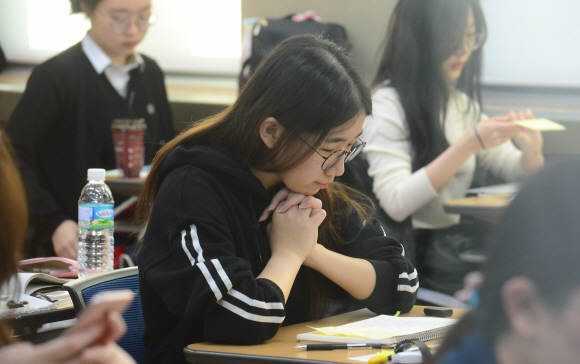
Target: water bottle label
<point>100,216</point>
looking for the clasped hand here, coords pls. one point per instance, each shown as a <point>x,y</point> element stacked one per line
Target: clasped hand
<point>295,221</point>
<point>498,130</point>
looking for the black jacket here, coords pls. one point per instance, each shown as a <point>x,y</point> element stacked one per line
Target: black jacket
<point>62,126</point>
<point>204,247</point>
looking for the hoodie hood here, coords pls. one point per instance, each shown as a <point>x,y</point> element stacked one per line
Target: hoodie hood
<point>230,171</point>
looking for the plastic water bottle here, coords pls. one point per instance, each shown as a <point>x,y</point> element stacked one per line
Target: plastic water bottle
<point>96,225</point>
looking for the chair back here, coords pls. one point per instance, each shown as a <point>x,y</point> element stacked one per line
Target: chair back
<point>82,291</point>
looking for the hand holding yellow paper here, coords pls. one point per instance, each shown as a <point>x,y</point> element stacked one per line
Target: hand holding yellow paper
<point>541,124</point>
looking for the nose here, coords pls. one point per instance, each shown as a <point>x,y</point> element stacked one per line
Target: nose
<point>336,170</point>
<point>465,48</point>
<point>133,27</point>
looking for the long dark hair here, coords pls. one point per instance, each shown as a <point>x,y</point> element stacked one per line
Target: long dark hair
<point>310,87</point>
<point>538,239</point>
<point>13,219</point>
<point>421,36</point>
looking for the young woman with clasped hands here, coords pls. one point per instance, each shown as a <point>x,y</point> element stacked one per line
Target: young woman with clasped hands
<point>428,136</point>
<point>244,226</point>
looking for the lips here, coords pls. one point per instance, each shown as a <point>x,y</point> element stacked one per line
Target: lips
<point>129,44</point>
<point>457,66</point>
<point>322,185</point>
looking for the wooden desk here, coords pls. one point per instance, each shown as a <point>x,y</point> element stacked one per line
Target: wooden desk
<point>486,208</point>
<point>280,349</point>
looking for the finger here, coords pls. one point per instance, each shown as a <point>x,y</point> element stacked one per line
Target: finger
<point>279,197</point>
<point>115,327</point>
<point>265,214</point>
<point>294,199</point>
<point>529,114</point>
<point>521,115</point>
<point>310,202</point>
<point>69,346</point>
<point>499,118</point>
<point>98,354</point>
<point>512,116</point>
<point>319,217</point>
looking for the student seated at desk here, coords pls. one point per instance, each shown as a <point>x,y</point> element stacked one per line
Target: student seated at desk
<point>427,135</point>
<point>62,124</point>
<point>245,228</point>
<point>529,308</point>
<point>79,347</point>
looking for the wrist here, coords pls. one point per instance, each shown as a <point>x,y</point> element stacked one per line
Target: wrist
<point>469,142</point>
<point>315,257</point>
<point>288,255</point>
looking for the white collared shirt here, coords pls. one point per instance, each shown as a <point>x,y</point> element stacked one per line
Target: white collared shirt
<point>117,76</point>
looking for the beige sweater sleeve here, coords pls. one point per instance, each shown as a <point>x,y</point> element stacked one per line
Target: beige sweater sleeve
<point>389,154</point>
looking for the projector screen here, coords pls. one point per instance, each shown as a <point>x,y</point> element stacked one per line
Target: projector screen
<point>532,43</point>
<point>189,35</point>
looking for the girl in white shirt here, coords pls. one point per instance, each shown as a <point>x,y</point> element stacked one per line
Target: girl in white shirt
<point>428,135</point>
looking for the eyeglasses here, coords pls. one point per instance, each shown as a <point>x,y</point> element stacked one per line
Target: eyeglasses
<point>474,41</point>
<point>121,24</point>
<point>337,155</point>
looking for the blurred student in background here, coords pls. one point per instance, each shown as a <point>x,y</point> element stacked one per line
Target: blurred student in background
<point>62,124</point>
<point>77,347</point>
<point>428,135</point>
<point>530,299</point>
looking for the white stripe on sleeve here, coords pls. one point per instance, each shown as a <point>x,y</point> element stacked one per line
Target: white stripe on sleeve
<point>255,303</point>
<point>409,276</point>
<point>210,281</point>
<point>250,316</point>
<point>407,288</point>
<point>196,245</point>
<point>222,273</point>
<point>191,259</point>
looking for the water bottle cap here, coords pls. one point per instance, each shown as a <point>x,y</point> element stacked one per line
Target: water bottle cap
<point>96,174</point>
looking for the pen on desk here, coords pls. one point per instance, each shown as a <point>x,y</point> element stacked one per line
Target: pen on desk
<point>311,347</point>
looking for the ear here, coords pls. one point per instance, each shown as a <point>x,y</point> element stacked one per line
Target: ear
<point>524,307</point>
<point>270,132</point>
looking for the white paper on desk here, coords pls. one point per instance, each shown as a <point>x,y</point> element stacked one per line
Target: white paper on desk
<point>396,326</point>
<point>34,305</point>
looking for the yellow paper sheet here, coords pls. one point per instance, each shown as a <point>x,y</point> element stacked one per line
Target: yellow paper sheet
<point>362,332</point>
<point>541,124</point>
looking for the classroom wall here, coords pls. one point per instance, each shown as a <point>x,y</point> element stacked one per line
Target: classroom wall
<point>365,22</point>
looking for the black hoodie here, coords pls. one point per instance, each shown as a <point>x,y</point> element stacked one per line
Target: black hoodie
<point>204,247</point>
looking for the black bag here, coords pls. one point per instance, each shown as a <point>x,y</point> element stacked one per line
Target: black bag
<point>267,33</point>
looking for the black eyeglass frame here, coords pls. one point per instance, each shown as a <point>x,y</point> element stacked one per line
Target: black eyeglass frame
<point>350,154</point>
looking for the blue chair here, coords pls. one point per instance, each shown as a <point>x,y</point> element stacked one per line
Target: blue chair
<point>82,291</point>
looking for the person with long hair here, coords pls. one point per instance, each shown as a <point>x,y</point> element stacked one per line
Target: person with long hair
<point>529,309</point>
<point>428,136</point>
<point>245,228</point>
<point>62,124</point>
<point>75,347</point>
